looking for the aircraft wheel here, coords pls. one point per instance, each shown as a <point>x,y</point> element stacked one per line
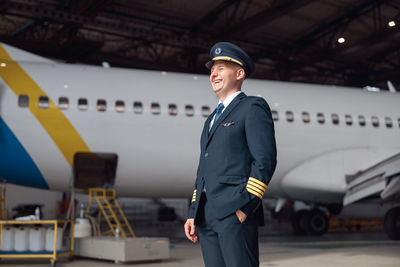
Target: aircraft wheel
<point>392,223</point>
<point>317,222</point>
<point>298,222</point>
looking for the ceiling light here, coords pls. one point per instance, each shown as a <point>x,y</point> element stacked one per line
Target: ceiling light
<point>2,64</point>
<point>341,40</point>
<point>391,23</point>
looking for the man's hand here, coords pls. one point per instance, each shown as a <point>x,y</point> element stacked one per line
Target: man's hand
<point>190,229</point>
<point>241,215</point>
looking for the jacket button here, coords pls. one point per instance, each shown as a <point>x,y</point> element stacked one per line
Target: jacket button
<point>206,155</point>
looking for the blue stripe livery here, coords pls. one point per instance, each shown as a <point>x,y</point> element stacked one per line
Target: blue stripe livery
<point>16,166</point>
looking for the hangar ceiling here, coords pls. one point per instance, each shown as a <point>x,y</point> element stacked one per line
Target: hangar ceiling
<point>290,40</point>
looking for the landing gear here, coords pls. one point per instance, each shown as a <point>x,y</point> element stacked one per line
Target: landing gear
<point>392,223</point>
<point>317,222</point>
<point>311,222</point>
<point>298,222</point>
<point>334,209</point>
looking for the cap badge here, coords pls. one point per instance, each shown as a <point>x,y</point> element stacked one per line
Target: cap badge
<point>218,51</point>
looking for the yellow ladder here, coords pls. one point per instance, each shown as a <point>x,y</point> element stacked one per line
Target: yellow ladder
<point>110,209</point>
<point>3,200</point>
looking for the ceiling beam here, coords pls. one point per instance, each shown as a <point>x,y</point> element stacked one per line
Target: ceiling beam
<point>381,55</point>
<point>211,16</point>
<point>353,13</point>
<point>360,50</point>
<point>356,53</point>
<point>322,30</point>
<point>67,37</point>
<point>113,27</point>
<point>263,18</point>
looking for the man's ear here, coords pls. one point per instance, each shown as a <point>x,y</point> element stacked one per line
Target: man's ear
<point>240,74</point>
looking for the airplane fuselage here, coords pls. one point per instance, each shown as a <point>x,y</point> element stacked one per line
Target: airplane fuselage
<point>158,150</point>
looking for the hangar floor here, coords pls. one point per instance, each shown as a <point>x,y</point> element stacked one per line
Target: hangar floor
<point>333,249</point>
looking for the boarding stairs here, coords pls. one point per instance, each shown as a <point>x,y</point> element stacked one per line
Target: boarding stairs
<point>109,208</point>
<point>382,180</point>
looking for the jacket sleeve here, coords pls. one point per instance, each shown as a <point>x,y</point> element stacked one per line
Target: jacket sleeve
<point>195,196</point>
<point>191,206</point>
<point>260,137</point>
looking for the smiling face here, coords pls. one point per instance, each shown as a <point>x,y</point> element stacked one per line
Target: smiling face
<point>226,78</point>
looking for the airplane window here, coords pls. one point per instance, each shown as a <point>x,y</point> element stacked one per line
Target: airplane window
<point>205,111</point>
<point>43,101</point>
<point>348,119</point>
<point>306,117</point>
<point>101,105</point>
<point>63,102</point>
<point>172,109</point>
<point>23,101</point>
<point>361,120</point>
<point>137,107</point>
<point>82,104</point>
<point>388,122</point>
<point>320,118</point>
<point>155,108</point>
<point>189,110</point>
<point>275,115</point>
<point>289,116</point>
<point>120,106</point>
<point>335,118</point>
<point>375,121</point>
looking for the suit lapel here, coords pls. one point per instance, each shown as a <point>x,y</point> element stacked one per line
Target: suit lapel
<point>205,133</point>
<point>226,112</point>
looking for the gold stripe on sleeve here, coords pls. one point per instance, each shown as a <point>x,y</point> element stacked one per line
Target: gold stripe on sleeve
<point>254,193</point>
<point>258,182</point>
<point>255,189</point>
<point>257,186</point>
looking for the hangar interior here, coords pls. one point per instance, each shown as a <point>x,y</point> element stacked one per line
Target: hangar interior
<point>351,43</point>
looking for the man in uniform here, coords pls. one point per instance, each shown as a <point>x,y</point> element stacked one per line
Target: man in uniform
<point>237,161</point>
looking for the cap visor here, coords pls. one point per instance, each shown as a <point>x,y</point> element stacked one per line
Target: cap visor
<point>209,64</point>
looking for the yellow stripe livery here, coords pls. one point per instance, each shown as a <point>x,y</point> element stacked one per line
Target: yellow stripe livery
<point>56,124</point>
<point>256,187</point>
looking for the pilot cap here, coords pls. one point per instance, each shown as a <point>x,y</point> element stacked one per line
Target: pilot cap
<point>229,52</point>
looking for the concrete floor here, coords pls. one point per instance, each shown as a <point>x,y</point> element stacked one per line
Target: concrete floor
<point>333,249</point>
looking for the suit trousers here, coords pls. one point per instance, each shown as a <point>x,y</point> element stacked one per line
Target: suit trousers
<point>227,242</point>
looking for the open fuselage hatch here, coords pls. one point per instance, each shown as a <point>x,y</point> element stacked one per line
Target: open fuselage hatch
<point>94,169</point>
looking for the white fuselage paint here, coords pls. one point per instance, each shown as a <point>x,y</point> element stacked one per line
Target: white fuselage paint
<point>158,154</point>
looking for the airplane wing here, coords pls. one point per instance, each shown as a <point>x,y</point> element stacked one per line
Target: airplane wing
<point>381,180</point>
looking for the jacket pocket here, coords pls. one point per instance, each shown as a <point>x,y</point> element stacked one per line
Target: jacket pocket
<point>229,179</point>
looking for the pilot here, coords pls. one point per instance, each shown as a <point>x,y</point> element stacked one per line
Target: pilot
<point>237,161</point>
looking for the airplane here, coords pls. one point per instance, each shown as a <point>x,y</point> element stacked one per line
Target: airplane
<point>139,131</point>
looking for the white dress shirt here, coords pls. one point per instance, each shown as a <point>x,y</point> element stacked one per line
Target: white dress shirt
<point>226,102</point>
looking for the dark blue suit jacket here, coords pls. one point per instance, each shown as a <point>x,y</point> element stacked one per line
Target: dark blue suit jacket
<point>237,160</point>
